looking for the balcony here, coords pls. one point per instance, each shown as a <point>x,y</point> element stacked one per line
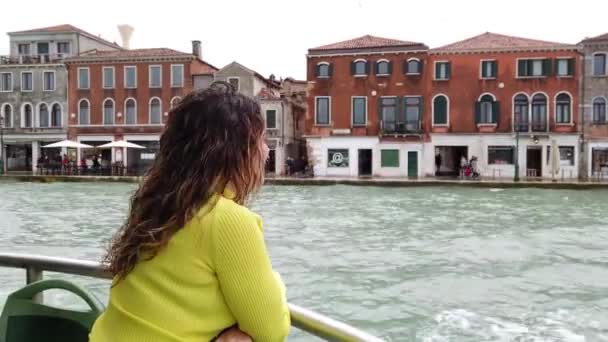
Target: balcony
<point>33,59</point>
<point>400,128</point>
<point>531,127</point>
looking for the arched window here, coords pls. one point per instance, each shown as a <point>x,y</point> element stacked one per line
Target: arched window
<point>359,67</point>
<point>383,67</point>
<point>487,110</point>
<point>43,112</point>
<point>440,110</point>
<point>175,101</point>
<point>413,67</point>
<point>7,114</point>
<point>563,113</point>
<point>83,112</point>
<point>323,70</point>
<point>539,113</point>
<point>130,112</point>
<point>56,115</point>
<point>155,111</point>
<point>28,116</point>
<point>108,112</point>
<point>599,110</point>
<point>521,115</point>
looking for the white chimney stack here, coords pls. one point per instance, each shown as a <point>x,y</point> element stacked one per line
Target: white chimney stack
<point>125,33</point>
<point>196,49</point>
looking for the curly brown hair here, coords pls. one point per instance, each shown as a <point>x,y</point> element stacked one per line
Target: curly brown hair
<point>213,138</point>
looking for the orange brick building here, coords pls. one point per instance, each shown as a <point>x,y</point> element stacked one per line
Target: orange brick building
<point>126,95</point>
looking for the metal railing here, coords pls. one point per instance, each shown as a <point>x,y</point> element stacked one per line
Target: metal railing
<point>33,59</point>
<point>301,318</point>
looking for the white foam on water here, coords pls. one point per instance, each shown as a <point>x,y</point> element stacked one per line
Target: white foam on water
<point>496,190</point>
<point>464,325</point>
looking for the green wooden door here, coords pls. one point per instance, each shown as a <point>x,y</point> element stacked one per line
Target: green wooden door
<point>412,164</point>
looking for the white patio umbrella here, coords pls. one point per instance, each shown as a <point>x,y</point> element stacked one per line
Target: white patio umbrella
<point>121,144</point>
<point>555,159</point>
<point>67,144</point>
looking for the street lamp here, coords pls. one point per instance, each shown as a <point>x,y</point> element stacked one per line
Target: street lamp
<point>517,128</point>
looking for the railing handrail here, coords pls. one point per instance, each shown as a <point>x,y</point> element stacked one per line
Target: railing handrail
<point>304,319</point>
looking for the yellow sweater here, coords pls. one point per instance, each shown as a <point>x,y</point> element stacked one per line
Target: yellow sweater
<point>214,273</point>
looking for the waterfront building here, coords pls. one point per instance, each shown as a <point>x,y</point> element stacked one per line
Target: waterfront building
<point>126,94</point>
<point>277,110</point>
<point>595,101</point>
<point>504,100</point>
<point>33,90</point>
<point>366,99</point>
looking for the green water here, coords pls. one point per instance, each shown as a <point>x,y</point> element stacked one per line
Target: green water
<point>407,264</point>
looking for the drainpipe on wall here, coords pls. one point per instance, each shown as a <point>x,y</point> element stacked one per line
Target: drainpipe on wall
<point>583,169</point>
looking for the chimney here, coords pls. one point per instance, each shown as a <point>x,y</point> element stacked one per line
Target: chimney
<point>125,33</point>
<point>196,49</point>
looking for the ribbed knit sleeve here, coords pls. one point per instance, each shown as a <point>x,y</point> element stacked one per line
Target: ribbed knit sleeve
<point>252,291</point>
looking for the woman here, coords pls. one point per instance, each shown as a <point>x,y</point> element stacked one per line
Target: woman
<point>190,263</point>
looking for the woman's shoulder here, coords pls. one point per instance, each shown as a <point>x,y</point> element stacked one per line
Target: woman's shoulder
<point>228,212</point>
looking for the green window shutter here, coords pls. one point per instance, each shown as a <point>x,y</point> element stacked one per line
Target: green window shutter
<point>318,70</point>
<point>437,69</point>
<point>496,112</point>
<point>352,68</point>
<point>448,72</point>
<point>331,69</point>
<point>420,65</point>
<point>404,67</point>
<point>571,65</point>
<point>390,68</point>
<point>495,69</point>
<point>380,118</point>
<point>389,158</point>
<point>367,68</point>
<point>440,116</point>
<point>376,68</point>
<point>522,66</point>
<point>477,112</point>
<point>547,70</point>
<point>421,109</point>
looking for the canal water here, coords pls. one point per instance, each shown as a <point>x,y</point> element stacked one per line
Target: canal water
<point>408,264</point>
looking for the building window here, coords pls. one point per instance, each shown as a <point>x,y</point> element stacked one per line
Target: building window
<point>599,110</point>
<point>563,109</point>
<point>501,155</point>
<point>155,75</point>
<point>7,114</point>
<point>487,110</point>
<point>130,112</point>
<point>599,64</point>
<point>413,108</point>
<point>359,111</point>
<point>177,75</point>
<point>337,158</point>
<point>83,112</point>
<point>413,67</point>
<point>440,110</point>
<point>271,119</point>
<point>108,112</point>
<point>533,67</point>
<point>56,115</point>
<point>539,113</point>
<point>388,113</point>
<point>83,78</point>
<point>43,115</point>
<point>27,81</point>
<point>442,71</point>
<point>359,68</point>
<point>389,158</point>
<point>383,68</point>
<point>49,81</point>
<point>564,67</point>
<point>43,48</point>
<point>63,48</point>
<point>323,70</point>
<point>28,116</point>
<point>235,83</point>
<point>175,101</point>
<point>6,81</point>
<point>131,77</point>
<point>322,110</point>
<point>566,155</point>
<point>489,69</point>
<point>521,119</point>
<point>24,49</point>
<point>108,77</point>
<point>155,111</point>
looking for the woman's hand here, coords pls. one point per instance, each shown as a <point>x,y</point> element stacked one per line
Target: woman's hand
<point>234,335</point>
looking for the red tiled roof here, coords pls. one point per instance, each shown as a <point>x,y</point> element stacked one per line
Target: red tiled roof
<point>494,41</point>
<point>266,94</point>
<point>134,53</point>
<point>600,38</point>
<point>365,42</point>
<point>64,28</point>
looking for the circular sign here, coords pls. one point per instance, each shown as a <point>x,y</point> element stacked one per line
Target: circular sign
<point>337,158</point>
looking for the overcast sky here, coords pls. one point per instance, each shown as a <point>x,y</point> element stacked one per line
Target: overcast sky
<point>272,36</point>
